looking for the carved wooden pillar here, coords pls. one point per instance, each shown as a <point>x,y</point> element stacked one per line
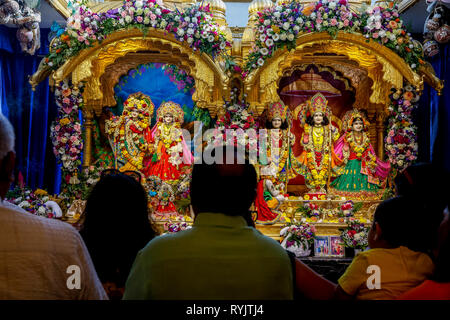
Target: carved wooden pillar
<point>380,117</point>
<point>88,115</point>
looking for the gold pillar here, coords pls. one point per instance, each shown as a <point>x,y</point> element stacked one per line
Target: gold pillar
<point>380,117</point>
<point>88,115</point>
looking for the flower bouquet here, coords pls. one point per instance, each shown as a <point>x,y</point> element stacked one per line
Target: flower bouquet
<point>298,238</point>
<point>35,202</point>
<point>310,210</point>
<point>355,235</point>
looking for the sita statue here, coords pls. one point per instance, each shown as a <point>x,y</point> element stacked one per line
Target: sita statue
<point>363,175</point>
<point>172,159</point>
<point>127,133</point>
<point>316,162</point>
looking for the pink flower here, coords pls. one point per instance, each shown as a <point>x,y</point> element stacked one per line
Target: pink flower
<point>333,22</point>
<point>77,127</point>
<point>74,139</point>
<point>378,25</point>
<point>346,23</point>
<point>153,16</point>
<point>139,19</point>
<point>375,35</point>
<point>80,38</point>
<point>123,14</point>
<point>57,127</point>
<point>318,21</point>
<point>66,100</point>
<point>73,150</point>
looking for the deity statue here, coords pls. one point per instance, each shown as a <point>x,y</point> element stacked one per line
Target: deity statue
<point>171,161</point>
<point>362,173</point>
<point>127,133</point>
<point>172,157</point>
<point>316,162</point>
<point>275,156</point>
<point>269,197</point>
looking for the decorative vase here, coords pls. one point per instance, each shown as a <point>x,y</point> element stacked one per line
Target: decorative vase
<point>442,35</point>
<point>432,24</point>
<point>349,252</point>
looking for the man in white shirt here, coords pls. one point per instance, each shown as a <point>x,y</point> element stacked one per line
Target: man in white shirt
<point>40,258</point>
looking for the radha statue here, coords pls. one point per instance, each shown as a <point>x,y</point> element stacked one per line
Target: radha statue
<point>363,175</point>
<point>316,163</point>
<point>127,133</point>
<point>275,169</point>
<point>172,158</point>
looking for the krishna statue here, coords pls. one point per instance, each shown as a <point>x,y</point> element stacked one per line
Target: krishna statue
<point>363,174</point>
<point>317,162</point>
<point>127,133</point>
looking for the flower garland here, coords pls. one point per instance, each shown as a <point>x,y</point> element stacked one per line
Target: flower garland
<point>401,140</point>
<point>66,135</point>
<point>174,227</point>
<point>236,117</point>
<point>298,234</point>
<point>318,170</point>
<point>355,235</point>
<point>279,26</point>
<point>194,26</point>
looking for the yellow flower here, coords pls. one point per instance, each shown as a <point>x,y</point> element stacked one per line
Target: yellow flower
<point>276,29</point>
<point>40,192</point>
<point>64,121</point>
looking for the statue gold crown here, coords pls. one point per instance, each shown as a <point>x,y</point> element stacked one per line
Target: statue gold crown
<point>277,110</point>
<point>351,116</point>
<point>139,102</point>
<point>172,108</point>
<point>318,103</point>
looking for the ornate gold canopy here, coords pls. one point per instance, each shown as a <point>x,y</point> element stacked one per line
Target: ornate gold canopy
<point>101,66</point>
<point>384,68</point>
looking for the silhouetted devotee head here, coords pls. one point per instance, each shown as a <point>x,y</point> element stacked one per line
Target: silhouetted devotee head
<point>116,226</point>
<point>228,188</point>
<point>7,155</point>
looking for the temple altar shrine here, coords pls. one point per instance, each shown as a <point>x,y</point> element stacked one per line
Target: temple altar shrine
<point>335,99</point>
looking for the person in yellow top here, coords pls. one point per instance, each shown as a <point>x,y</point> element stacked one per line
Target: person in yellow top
<point>396,262</point>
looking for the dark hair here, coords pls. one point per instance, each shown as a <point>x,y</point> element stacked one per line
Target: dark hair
<point>116,225</point>
<point>415,183</point>
<point>224,188</point>
<point>284,125</point>
<point>310,120</point>
<point>402,223</point>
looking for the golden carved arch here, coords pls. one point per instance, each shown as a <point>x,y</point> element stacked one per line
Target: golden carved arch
<point>385,68</point>
<point>91,66</point>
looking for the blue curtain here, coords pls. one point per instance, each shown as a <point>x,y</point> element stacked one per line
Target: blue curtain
<point>30,112</point>
<point>433,115</point>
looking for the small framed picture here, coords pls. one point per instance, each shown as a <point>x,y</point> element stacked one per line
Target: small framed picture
<point>321,246</point>
<point>336,246</point>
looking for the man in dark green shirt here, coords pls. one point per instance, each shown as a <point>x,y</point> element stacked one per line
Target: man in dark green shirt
<point>222,257</point>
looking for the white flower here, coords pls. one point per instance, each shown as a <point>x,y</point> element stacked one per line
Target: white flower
<point>313,15</point>
<point>269,42</point>
<point>290,36</point>
<point>299,20</point>
<point>187,19</point>
<point>325,23</point>
<point>211,38</point>
<point>223,45</point>
<point>264,51</point>
<point>127,19</point>
<point>180,32</point>
<point>269,31</point>
<point>146,20</point>
<point>158,11</point>
<point>260,62</point>
<point>286,26</point>
<point>204,35</point>
<point>190,40</point>
<point>261,29</point>
<point>41,210</point>
<point>413,66</point>
<point>332,5</point>
<point>283,36</point>
<point>276,14</point>
<point>297,28</point>
<point>163,23</point>
<point>325,16</point>
<point>382,33</point>
<point>24,204</point>
<point>266,22</point>
<point>276,37</point>
<point>262,38</point>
